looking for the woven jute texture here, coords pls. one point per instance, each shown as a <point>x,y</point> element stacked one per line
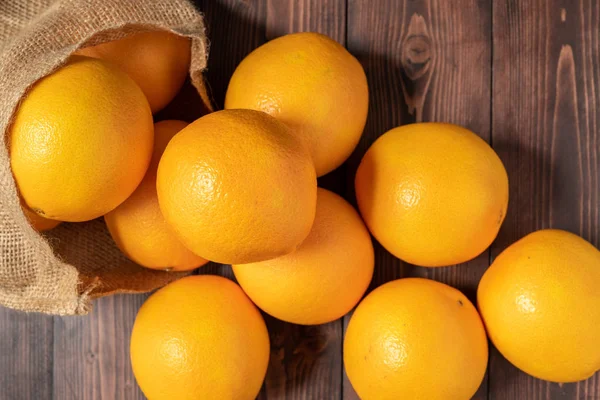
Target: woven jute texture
<point>62,271</point>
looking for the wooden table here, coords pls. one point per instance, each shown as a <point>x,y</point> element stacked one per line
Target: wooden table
<point>524,74</point>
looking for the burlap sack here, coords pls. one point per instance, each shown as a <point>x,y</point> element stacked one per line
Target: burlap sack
<point>59,273</point>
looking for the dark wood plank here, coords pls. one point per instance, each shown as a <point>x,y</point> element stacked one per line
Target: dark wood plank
<point>305,361</point>
<point>324,16</point>
<point>235,28</point>
<point>91,353</point>
<point>426,60</point>
<point>546,117</point>
<point>25,356</point>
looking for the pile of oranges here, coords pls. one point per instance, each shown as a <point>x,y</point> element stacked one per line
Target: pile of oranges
<point>239,186</point>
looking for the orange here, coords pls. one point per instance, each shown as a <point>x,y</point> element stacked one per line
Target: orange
<point>238,187</point>
<point>415,339</point>
<point>432,194</point>
<point>157,61</point>
<point>38,222</point>
<point>138,226</point>
<point>324,278</point>
<point>199,338</point>
<point>81,141</point>
<point>311,83</point>
<point>540,302</point>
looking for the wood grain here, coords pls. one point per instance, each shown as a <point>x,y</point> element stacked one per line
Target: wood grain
<point>306,362</point>
<point>25,356</point>
<point>235,28</point>
<point>425,61</point>
<point>525,75</point>
<point>91,353</point>
<point>545,128</point>
<point>417,72</point>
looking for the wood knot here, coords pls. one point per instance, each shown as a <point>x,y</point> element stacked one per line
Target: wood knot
<point>416,55</point>
<point>316,340</point>
<point>417,58</point>
<point>90,357</point>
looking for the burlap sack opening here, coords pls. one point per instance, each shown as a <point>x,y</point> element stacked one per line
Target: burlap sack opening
<point>60,272</point>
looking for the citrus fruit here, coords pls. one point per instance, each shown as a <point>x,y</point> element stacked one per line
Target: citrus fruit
<point>138,226</point>
<point>157,61</point>
<point>38,222</point>
<point>432,194</point>
<point>199,338</point>
<point>415,339</point>
<point>237,187</point>
<point>324,278</point>
<point>540,302</point>
<point>311,83</point>
<point>81,141</point>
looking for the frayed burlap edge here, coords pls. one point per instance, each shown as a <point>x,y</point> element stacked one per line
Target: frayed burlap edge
<point>61,272</point>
